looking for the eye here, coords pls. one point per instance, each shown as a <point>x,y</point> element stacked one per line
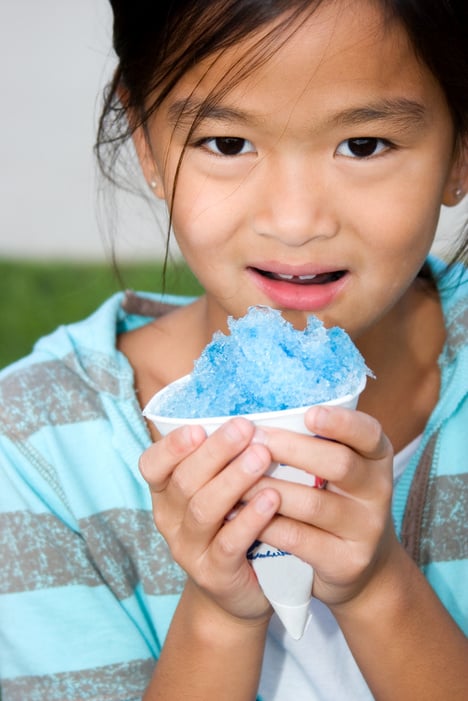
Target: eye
<point>363,147</point>
<point>228,146</point>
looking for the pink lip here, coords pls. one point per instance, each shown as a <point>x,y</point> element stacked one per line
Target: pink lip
<point>288,295</point>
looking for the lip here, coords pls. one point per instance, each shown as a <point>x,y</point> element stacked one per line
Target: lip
<point>300,297</point>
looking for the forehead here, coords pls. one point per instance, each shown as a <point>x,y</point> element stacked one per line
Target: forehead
<point>341,51</point>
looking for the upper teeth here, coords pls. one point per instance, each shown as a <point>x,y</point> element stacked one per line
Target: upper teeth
<point>285,276</point>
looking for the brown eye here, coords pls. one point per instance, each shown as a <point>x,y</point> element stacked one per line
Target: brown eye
<point>228,145</point>
<point>363,147</point>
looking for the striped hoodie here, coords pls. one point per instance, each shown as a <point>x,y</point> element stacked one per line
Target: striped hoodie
<point>87,584</point>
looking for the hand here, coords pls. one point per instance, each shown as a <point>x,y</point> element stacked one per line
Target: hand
<point>195,482</point>
<point>344,531</point>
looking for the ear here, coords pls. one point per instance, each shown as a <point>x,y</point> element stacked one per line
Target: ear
<point>147,162</point>
<point>456,186</point>
<point>142,146</point>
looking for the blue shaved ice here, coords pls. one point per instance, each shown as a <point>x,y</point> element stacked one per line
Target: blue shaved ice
<point>265,364</point>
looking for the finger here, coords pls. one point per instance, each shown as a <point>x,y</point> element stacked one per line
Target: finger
<point>198,497</point>
<point>207,509</point>
<point>327,510</point>
<point>212,457</point>
<point>157,463</point>
<point>223,567</point>
<point>356,429</point>
<point>325,459</point>
<point>222,543</point>
<point>236,536</point>
<point>308,543</point>
<point>355,440</point>
<point>343,470</point>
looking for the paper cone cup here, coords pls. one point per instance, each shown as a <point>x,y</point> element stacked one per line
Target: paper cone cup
<point>287,583</point>
<point>285,579</point>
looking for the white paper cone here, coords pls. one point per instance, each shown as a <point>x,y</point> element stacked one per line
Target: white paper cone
<point>286,582</point>
<point>285,579</point>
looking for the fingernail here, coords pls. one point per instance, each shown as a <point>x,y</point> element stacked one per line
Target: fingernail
<point>252,462</point>
<point>191,435</point>
<point>259,437</point>
<point>318,417</point>
<point>236,429</point>
<point>264,504</point>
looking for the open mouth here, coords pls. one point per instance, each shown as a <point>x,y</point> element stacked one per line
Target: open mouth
<point>319,279</point>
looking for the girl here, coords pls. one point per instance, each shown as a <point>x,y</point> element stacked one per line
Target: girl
<point>304,149</point>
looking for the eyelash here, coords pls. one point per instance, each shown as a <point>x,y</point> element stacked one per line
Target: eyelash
<point>362,141</point>
<point>356,142</point>
<point>203,143</point>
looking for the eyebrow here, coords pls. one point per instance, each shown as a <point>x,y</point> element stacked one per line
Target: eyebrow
<point>401,113</point>
<point>183,112</point>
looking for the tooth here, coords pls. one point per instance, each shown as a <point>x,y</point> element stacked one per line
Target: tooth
<point>306,277</point>
<point>285,277</point>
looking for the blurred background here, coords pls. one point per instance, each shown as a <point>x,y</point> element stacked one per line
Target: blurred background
<point>55,59</point>
<point>55,232</point>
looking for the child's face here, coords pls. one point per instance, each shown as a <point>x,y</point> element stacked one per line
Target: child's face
<point>330,160</point>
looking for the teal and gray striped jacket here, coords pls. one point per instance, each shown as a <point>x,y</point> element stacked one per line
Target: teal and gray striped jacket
<point>87,585</point>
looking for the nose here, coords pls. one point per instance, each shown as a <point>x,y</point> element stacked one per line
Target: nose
<point>294,204</point>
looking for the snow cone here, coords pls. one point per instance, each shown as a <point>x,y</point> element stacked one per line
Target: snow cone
<point>271,373</point>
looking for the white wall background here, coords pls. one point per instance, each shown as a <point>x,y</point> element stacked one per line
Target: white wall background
<point>55,58</point>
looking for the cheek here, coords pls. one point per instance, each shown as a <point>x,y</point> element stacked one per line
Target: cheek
<point>403,211</point>
<point>415,227</point>
<point>204,215</point>
<point>193,226</point>
<point>396,243</point>
<point>403,225</point>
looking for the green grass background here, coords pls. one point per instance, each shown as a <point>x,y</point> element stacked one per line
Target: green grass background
<point>36,297</point>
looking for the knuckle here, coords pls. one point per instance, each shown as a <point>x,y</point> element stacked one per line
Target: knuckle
<point>205,577</point>
<point>347,419</point>
<point>382,482</point>
<point>227,547</point>
<point>386,488</point>
<point>311,503</point>
<point>198,513</point>
<point>377,443</point>
<point>360,560</point>
<point>174,442</point>
<point>376,435</point>
<point>145,466</point>
<point>291,537</point>
<point>209,451</point>
<point>343,464</point>
<point>180,482</point>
